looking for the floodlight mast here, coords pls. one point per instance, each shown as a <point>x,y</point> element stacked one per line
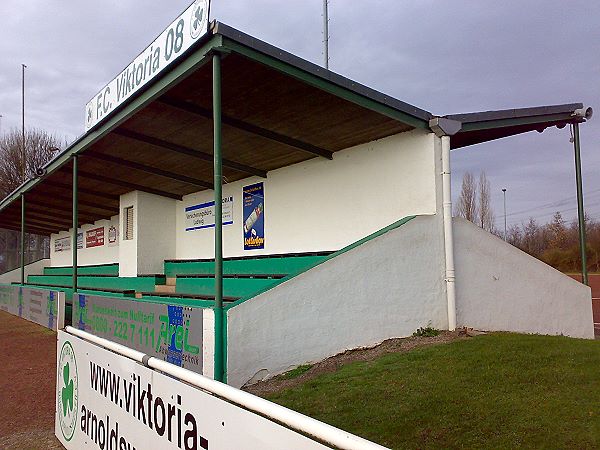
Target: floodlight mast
<point>326,33</point>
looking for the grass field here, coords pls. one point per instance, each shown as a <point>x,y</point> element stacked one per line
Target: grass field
<point>489,392</point>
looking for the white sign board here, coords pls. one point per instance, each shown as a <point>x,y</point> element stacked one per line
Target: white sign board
<point>106,401</point>
<point>198,217</point>
<point>41,306</point>
<point>166,48</point>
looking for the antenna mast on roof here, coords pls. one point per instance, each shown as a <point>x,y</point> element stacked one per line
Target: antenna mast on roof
<point>326,33</point>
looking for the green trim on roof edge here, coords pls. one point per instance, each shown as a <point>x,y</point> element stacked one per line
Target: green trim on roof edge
<point>352,246</point>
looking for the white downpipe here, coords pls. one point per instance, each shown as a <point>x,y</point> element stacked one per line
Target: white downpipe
<point>448,234</point>
<point>292,419</point>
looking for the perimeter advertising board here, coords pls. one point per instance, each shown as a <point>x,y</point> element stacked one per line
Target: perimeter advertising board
<point>106,401</point>
<point>169,332</point>
<point>172,43</point>
<point>40,306</point>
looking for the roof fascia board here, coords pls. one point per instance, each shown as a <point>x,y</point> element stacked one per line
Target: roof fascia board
<point>142,98</point>
<point>331,87</point>
<point>502,123</point>
<point>517,114</point>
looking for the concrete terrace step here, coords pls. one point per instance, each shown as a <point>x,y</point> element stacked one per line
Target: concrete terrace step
<point>99,269</point>
<point>168,297</point>
<point>164,288</point>
<point>279,264</point>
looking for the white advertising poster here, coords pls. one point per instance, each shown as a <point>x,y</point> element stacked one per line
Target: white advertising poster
<point>198,217</point>
<point>162,52</point>
<point>106,401</point>
<point>113,235</point>
<point>62,244</point>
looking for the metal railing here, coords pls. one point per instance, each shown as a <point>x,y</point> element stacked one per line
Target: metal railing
<point>293,420</point>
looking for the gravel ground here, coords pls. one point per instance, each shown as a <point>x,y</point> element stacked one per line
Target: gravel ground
<point>27,385</point>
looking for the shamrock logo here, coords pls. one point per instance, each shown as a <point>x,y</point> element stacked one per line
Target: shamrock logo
<point>198,16</point>
<point>67,391</point>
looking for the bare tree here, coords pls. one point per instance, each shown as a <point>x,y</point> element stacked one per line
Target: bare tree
<point>485,212</point>
<point>467,201</point>
<point>40,147</point>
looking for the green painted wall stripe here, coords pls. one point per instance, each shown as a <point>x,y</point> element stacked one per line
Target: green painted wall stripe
<point>140,284</point>
<point>278,265</point>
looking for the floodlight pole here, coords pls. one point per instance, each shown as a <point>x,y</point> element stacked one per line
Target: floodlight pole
<point>75,224</point>
<point>23,153</point>
<point>219,373</point>
<point>22,239</point>
<point>326,33</point>
<point>504,193</point>
<point>580,210</point>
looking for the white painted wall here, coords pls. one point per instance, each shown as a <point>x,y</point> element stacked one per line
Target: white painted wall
<point>128,248</point>
<point>502,288</point>
<point>387,287</point>
<point>35,268</point>
<point>87,256</point>
<point>156,232</point>
<point>153,234</point>
<point>325,205</point>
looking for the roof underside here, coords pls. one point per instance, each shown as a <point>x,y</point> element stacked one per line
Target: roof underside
<point>277,110</point>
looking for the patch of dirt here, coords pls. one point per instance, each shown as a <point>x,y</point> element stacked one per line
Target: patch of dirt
<point>333,363</point>
<point>27,385</point>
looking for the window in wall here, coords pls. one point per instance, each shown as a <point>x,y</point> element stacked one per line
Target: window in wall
<point>128,224</point>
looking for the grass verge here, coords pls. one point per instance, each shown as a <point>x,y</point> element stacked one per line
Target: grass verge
<point>495,391</point>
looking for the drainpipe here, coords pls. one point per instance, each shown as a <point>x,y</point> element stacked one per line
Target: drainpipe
<point>444,128</point>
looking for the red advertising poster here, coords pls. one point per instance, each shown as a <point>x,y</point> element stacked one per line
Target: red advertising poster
<point>94,238</point>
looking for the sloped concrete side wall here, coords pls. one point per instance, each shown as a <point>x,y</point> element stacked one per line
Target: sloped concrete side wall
<point>385,288</point>
<point>501,288</point>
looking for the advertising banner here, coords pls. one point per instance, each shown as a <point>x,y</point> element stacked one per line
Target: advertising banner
<point>172,43</point>
<point>94,238</point>
<point>254,217</point>
<point>106,401</point>
<point>62,244</point>
<point>172,333</point>
<point>40,306</point>
<point>202,216</point>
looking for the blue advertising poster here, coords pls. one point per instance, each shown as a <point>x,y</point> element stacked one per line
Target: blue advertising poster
<point>254,217</point>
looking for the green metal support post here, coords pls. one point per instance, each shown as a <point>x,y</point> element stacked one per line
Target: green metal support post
<point>218,182</point>
<point>580,210</point>
<point>22,239</point>
<point>75,224</point>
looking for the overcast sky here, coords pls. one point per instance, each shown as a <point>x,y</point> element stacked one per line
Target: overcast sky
<point>445,57</point>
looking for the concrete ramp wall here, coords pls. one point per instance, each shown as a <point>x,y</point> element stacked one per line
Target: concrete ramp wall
<point>386,287</point>
<point>501,288</point>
